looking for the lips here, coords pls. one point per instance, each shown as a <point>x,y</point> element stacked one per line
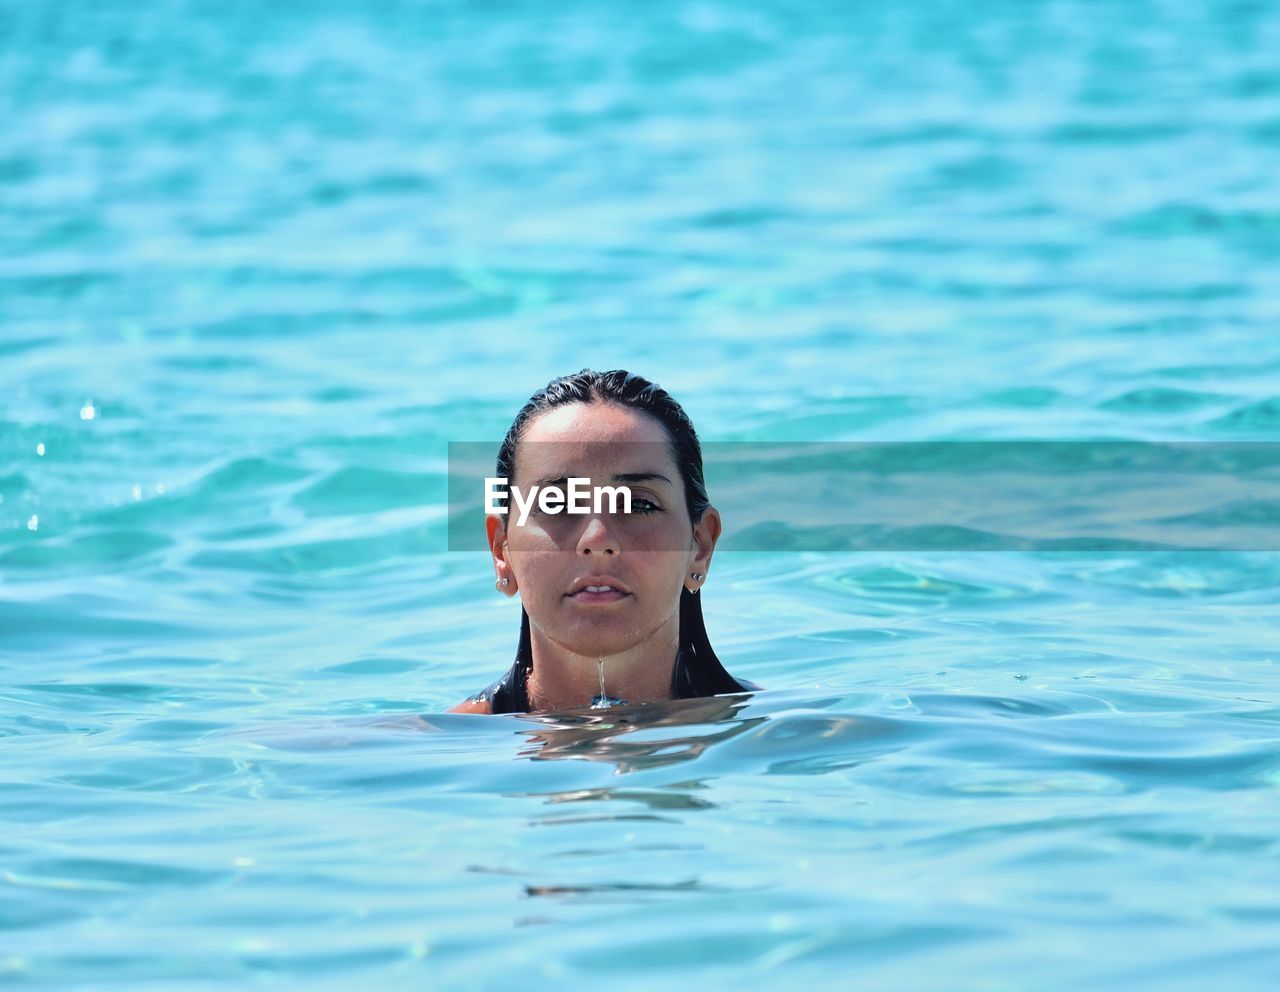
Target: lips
<point>597,589</point>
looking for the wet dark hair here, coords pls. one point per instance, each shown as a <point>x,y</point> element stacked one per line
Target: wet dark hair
<point>698,671</point>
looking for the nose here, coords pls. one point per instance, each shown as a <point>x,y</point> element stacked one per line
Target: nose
<point>597,539</point>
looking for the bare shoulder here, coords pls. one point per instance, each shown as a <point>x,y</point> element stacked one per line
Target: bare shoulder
<point>472,706</point>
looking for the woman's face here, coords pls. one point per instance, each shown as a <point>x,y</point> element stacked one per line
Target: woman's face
<point>649,554</point>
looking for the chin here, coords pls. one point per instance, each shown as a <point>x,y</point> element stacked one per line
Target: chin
<point>597,642</point>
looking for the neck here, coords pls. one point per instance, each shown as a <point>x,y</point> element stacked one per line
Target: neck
<point>562,679</point>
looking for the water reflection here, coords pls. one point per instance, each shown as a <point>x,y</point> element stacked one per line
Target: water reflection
<point>626,888</point>
<point>610,735</point>
<point>631,738</point>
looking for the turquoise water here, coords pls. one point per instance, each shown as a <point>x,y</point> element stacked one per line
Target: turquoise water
<point>259,264</point>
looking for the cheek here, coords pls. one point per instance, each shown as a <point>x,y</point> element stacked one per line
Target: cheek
<point>535,545</point>
<point>652,537</point>
<point>663,571</point>
<point>539,573</point>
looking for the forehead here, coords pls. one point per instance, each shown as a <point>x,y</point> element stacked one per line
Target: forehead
<point>593,439</point>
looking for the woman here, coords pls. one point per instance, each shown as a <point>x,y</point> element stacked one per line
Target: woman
<point>611,610</point>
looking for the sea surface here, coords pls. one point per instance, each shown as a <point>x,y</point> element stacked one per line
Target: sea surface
<point>261,263</point>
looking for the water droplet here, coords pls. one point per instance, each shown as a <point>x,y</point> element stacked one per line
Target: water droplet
<point>137,493</point>
<point>40,449</point>
<point>604,700</point>
<point>33,523</point>
<point>87,412</point>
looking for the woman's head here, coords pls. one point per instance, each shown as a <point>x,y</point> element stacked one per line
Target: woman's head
<point>627,390</point>
<point>611,428</point>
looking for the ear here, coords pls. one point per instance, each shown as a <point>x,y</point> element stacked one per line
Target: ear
<point>705,536</point>
<point>496,530</point>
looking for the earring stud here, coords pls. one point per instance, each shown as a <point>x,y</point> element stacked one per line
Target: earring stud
<point>503,582</point>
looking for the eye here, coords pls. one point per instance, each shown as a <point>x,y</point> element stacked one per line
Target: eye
<point>642,504</point>
<point>554,494</point>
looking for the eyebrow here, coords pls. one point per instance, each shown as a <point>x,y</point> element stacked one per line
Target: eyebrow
<point>640,477</point>
<point>620,477</point>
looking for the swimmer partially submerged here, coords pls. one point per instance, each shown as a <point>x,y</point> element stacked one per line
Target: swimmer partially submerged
<point>611,610</point>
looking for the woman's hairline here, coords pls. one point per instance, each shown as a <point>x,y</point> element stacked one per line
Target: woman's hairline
<point>669,441</point>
